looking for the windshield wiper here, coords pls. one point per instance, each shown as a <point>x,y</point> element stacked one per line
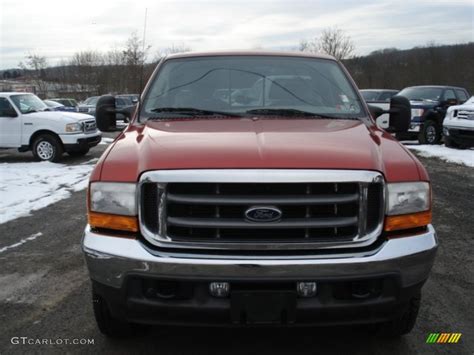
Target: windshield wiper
<point>289,112</point>
<point>190,111</point>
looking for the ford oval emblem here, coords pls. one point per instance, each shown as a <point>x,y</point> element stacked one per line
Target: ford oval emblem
<point>263,214</point>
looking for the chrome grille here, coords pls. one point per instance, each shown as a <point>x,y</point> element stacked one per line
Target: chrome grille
<point>467,115</point>
<point>90,126</point>
<point>314,214</point>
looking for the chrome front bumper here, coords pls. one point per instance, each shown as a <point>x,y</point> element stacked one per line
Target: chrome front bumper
<point>111,259</point>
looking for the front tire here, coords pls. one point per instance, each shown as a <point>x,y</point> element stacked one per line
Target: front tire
<point>405,321</point>
<point>430,133</point>
<point>47,147</point>
<point>108,325</point>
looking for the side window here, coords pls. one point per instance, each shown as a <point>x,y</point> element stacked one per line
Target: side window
<point>6,109</point>
<point>462,96</point>
<point>449,94</point>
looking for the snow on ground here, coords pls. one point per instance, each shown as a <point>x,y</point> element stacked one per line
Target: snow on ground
<point>450,155</point>
<point>26,187</point>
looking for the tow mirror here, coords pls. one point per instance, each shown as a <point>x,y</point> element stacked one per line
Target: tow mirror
<point>400,114</point>
<point>106,114</point>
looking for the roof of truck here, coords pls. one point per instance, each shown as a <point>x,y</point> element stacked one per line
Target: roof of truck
<point>250,53</point>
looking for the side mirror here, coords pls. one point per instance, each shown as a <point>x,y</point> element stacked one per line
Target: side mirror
<point>400,114</point>
<point>106,113</point>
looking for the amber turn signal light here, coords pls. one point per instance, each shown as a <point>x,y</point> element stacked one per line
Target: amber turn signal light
<point>407,221</point>
<point>112,221</point>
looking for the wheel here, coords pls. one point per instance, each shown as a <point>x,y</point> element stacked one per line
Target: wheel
<point>78,153</point>
<point>47,147</point>
<point>405,322</point>
<point>430,133</point>
<point>108,325</point>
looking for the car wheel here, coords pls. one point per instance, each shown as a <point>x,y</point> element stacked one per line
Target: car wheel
<point>430,133</point>
<point>404,323</point>
<point>78,153</point>
<point>110,326</point>
<point>47,147</point>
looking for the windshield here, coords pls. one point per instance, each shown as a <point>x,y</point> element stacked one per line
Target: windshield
<point>91,100</point>
<point>237,84</point>
<point>28,103</point>
<point>370,95</point>
<point>422,93</point>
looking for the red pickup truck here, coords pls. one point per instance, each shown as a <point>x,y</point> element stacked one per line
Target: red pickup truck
<point>254,188</point>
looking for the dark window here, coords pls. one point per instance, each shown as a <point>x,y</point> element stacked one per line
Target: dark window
<point>462,96</point>
<point>449,94</point>
<point>5,107</point>
<point>422,93</point>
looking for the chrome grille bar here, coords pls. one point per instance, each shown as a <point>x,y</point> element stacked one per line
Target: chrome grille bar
<point>214,220</point>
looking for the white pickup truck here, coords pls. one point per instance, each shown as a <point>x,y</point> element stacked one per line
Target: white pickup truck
<point>458,125</point>
<point>27,124</point>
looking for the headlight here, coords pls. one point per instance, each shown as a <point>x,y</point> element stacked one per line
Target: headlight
<point>91,109</point>
<point>408,206</point>
<point>73,127</point>
<point>113,198</point>
<point>417,112</point>
<point>407,197</point>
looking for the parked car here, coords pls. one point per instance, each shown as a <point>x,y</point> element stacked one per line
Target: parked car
<point>27,124</point>
<point>428,109</point>
<point>88,105</point>
<point>280,202</point>
<point>379,98</point>
<point>378,95</point>
<point>458,125</point>
<point>133,98</point>
<point>67,102</point>
<point>56,106</point>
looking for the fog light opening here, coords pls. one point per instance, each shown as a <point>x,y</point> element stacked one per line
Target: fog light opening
<point>219,289</point>
<point>306,289</point>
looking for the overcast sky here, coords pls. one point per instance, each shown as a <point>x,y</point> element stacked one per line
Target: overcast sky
<point>57,29</point>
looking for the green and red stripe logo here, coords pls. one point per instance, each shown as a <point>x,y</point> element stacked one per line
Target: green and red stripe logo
<point>443,338</point>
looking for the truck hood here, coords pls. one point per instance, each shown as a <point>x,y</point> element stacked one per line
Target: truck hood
<point>255,143</point>
<point>64,116</point>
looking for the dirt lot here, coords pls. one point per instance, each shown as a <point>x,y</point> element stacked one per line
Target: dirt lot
<point>45,292</point>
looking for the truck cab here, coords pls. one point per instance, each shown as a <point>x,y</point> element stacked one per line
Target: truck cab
<point>26,123</point>
<point>255,189</point>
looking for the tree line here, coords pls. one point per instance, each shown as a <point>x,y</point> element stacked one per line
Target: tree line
<point>126,69</point>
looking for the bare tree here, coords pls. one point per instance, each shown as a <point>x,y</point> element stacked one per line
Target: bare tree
<point>333,41</point>
<point>36,65</point>
<point>174,48</point>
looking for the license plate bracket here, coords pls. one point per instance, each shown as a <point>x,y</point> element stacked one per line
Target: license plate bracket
<point>263,307</point>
